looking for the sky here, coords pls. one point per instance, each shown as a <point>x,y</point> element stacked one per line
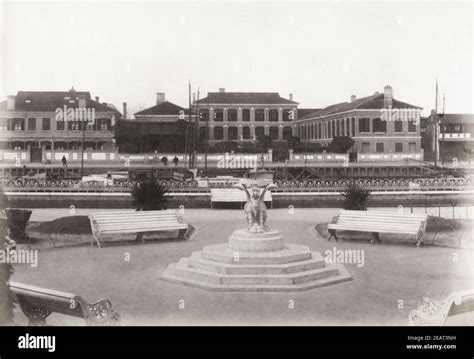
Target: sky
<point>322,52</point>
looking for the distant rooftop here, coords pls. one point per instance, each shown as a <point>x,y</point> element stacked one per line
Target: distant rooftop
<point>249,98</point>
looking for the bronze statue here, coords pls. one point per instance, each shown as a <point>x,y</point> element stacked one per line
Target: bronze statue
<point>255,208</point>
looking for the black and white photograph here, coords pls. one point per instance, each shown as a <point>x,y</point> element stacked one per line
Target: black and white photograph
<point>237,164</point>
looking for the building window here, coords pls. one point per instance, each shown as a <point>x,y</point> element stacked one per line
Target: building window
<point>232,115</point>
<point>18,124</point>
<point>288,115</point>
<point>246,114</point>
<point>60,125</point>
<point>103,124</point>
<point>273,115</point>
<point>74,125</point>
<point>379,125</point>
<point>287,133</point>
<point>379,147</point>
<point>411,126</point>
<point>273,132</point>
<point>203,115</point>
<point>218,115</point>
<point>364,125</point>
<point>204,133</point>
<point>46,124</point>
<point>260,115</point>
<point>398,147</point>
<point>218,133</point>
<point>412,147</point>
<point>246,133</point>
<point>232,133</point>
<point>4,124</point>
<point>32,124</point>
<point>398,126</point>
<point>365,147</point>
<point>259,132</point>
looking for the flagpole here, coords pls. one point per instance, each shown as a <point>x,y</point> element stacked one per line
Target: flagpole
<point>436,125</point>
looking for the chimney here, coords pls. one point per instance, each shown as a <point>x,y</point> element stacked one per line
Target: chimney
<point>387,96</point>
<point>11,102</point>
<point>82,102</point>
<point>222,89</point>
<point>160,97</point>
<point>124,110</point>
<point>97,99</point>
<point>353,98</point>
<point>290,96</point>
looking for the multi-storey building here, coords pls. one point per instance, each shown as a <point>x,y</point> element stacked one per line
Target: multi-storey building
<point>455,137</point>
<point>226,116</point>
<point>382,127</point>
<point>162,127</point>
<point>41,121</point>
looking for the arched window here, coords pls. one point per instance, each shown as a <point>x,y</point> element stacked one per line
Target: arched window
<point>232,133</point>
<point>246,133</point>
<point>218,133</point>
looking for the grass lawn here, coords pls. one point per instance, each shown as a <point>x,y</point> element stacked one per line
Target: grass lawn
<point>391,274</point>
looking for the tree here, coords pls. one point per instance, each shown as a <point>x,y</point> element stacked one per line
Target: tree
<point>265,142</point>
<point>356,197</point>
<point>149,195</point>
<point>341,144</point>
<point>293,141</point>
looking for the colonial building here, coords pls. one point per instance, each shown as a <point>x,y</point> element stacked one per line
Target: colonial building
<point>162,127</point>
<point>59,120</point>
<point>455,137</point>
<point>226,116</point>
<point>381,126</point>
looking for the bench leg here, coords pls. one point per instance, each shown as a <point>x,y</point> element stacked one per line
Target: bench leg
<point>36,316</point>
<point>332,233</point>
<point>181,233</point>
<point>140,237</point>
<point>376,238</point>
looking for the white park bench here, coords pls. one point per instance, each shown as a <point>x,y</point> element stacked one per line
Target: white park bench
<point>38,303</point>
<point>435,313</point>
<point>139,222</point>
<point>233,195</point>
<point>377,222</point>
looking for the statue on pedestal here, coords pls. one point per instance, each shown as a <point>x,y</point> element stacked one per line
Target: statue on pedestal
<point>255,208</point>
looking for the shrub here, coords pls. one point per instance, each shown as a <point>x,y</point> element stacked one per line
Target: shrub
<point>356,197</point>
<point>149,195</point>
<point>341,144</point>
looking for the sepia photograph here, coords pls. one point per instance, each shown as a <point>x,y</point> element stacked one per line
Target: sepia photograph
<point>237,164</point>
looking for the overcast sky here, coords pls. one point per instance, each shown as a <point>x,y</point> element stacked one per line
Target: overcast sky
<point>320,52</point>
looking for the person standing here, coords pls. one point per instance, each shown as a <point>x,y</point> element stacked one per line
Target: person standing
<point>64,161</point>
<point>175,160</point>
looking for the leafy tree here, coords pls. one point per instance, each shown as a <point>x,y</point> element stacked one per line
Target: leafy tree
<point>149,195</point>
<point>265,142</point>
<point>293,141</point>
<point>356,197</point>
<point>341,144</point>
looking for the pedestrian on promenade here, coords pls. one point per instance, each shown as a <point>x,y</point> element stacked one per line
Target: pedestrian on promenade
<point>64,161</point>
<point>175,160</point>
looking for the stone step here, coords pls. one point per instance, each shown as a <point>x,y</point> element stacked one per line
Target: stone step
<point>343,276</point>
<point>196,261</point>
<point>222,253</point>
<point>184,270</point>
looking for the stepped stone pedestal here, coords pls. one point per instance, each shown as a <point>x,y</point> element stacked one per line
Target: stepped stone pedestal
<point>256,262</point>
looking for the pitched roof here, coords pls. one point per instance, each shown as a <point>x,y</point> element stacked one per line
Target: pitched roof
<point>457,118</point>
<point>162,109</point>
<point>373,102</point>
<point>306,111</point>
<point>49,101</point>
<point>245,98</point>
